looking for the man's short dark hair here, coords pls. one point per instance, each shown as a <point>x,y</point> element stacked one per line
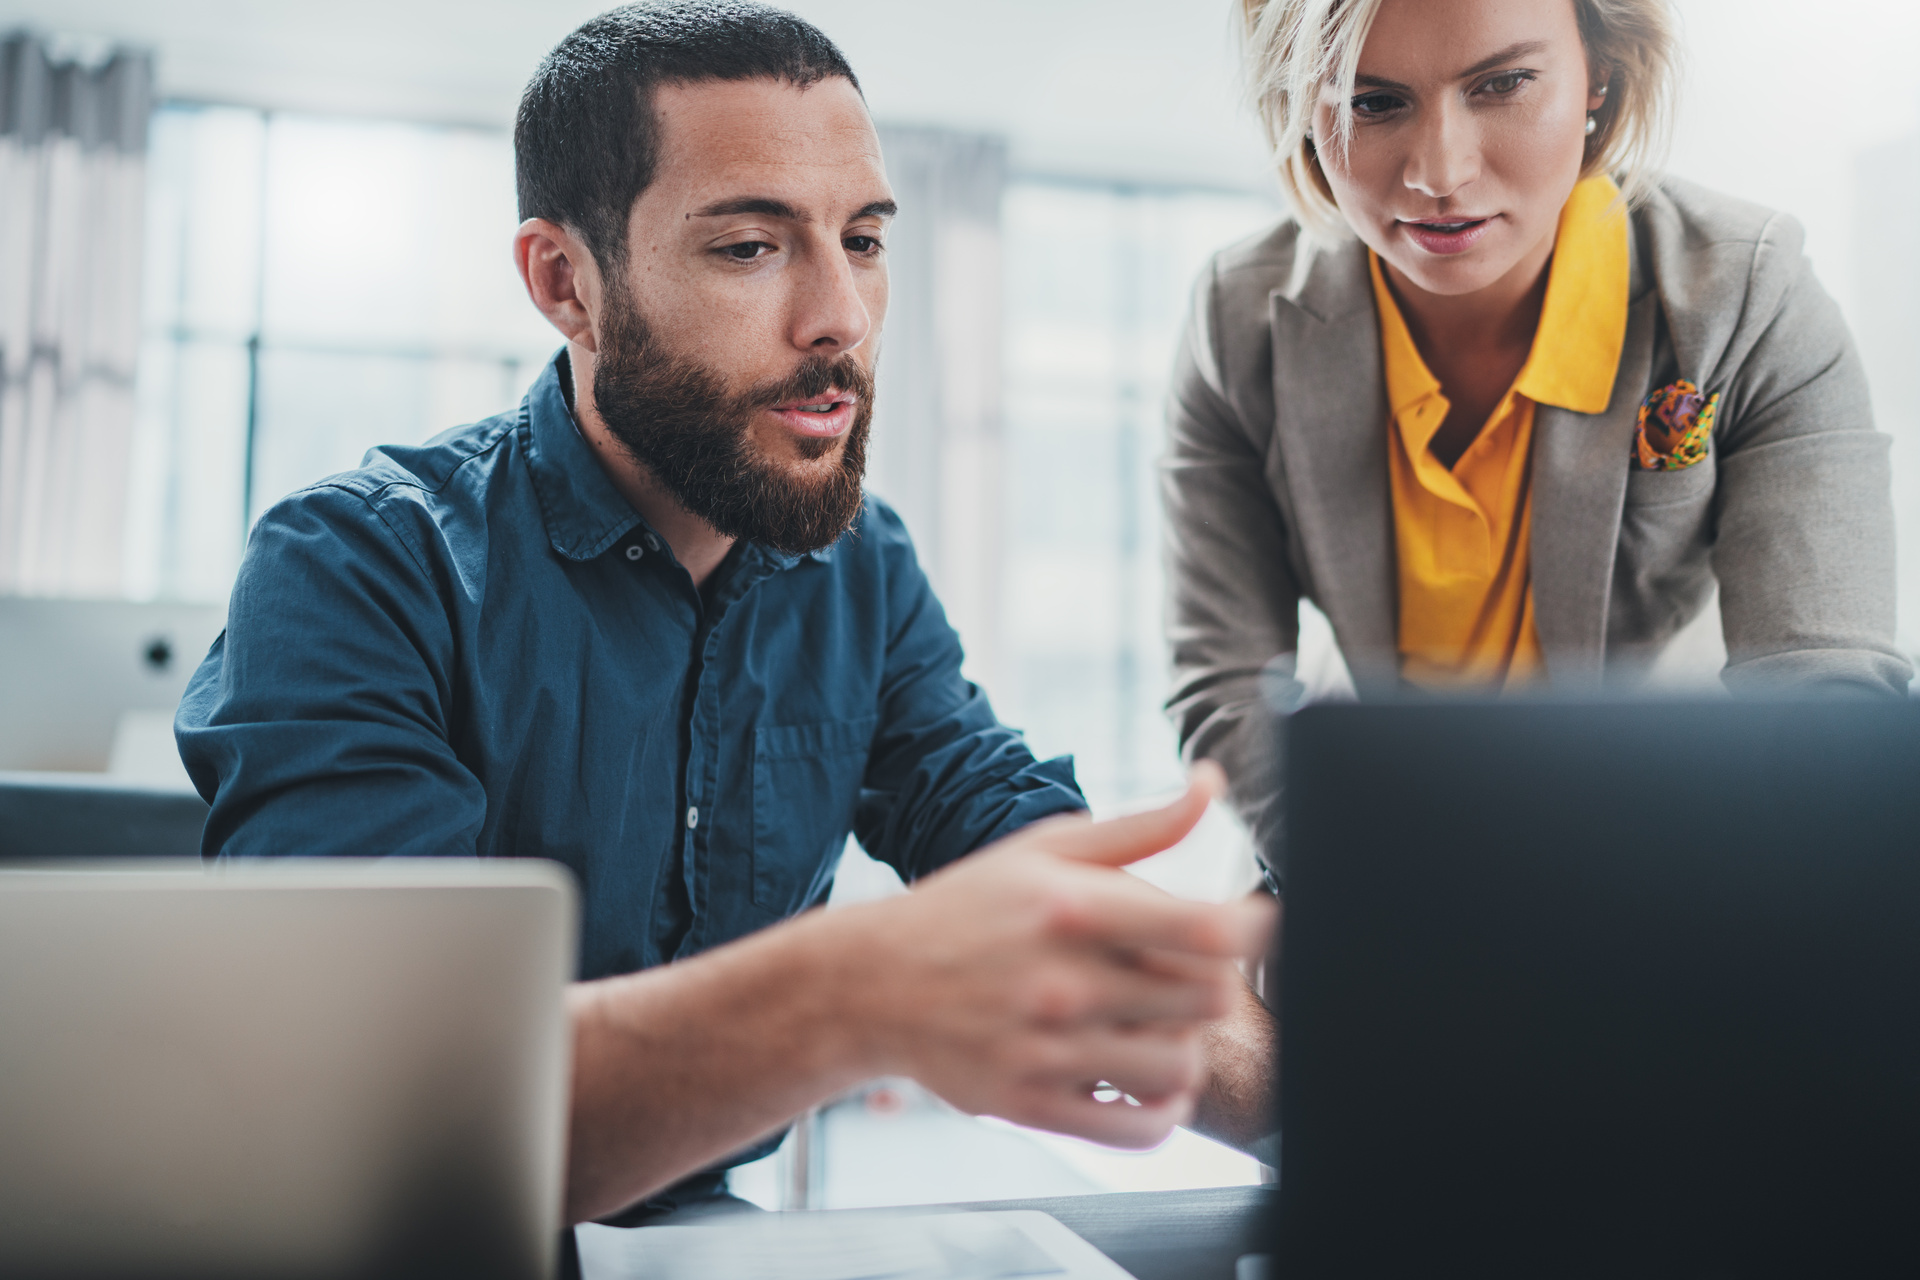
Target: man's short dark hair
<point>586,142</point>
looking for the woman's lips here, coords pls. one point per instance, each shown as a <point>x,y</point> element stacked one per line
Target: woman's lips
<point>825,418</point>
<point>1446,236</point>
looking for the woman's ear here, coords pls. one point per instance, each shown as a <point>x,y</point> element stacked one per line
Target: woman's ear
<point>561,277</point>
<point>1599,82</point>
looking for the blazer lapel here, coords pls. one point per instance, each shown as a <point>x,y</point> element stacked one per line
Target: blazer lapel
<point>1579,479</point>
<point>1330,458</point>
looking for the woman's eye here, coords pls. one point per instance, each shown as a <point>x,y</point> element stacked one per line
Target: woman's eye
<point>747,250</point>
<point>1375,104</point>
<point>1501,86</point>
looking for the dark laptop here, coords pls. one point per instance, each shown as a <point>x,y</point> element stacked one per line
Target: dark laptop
<point>1601,991</point>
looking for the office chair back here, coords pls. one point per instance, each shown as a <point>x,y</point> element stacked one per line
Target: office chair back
<point>50,817</point>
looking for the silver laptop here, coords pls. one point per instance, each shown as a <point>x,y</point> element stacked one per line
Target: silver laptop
<point>284,1070</point>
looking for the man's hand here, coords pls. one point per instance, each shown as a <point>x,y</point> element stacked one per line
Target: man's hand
<point>1012,983</point>
<point>1015,982</point>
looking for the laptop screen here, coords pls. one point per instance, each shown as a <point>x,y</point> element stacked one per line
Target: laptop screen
<point>1606,990</point>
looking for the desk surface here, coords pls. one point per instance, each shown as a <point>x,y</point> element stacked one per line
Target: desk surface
<point>1156,1235</point>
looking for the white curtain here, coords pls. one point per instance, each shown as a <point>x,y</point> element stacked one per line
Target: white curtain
<point>937,422</point>
<point>73,142</point>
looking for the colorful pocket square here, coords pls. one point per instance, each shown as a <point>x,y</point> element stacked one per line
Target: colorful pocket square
<point>1675,424</point>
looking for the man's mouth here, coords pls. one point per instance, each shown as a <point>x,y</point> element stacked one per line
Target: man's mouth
<point>1446,235</point>
<point>827,415</point>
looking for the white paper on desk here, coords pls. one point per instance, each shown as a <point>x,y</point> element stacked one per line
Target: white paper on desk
<point>1007,1245</point>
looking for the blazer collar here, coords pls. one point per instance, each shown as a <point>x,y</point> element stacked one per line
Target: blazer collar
<point>1330,426</point>
<point>1580,465</point>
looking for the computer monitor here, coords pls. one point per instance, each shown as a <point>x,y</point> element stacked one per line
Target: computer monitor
<point>284,1071</point>
<point>1600,990</point>
<point>72,670</point>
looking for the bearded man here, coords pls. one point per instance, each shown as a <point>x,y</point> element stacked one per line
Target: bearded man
<point>647,625</point>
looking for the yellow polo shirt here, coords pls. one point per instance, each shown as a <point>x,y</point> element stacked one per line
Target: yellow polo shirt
<point>1466,582</point>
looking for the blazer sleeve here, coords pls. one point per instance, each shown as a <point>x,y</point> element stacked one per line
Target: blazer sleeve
<point>1233,610</point>
<point>1804,546</point>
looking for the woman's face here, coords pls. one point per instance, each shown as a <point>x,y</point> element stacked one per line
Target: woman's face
<point>1469,133</point>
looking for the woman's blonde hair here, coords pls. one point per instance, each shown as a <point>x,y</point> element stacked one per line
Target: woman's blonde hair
<point>1293,47</point>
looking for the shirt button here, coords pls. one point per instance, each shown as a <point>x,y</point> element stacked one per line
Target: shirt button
<point>653,543</point>
<point>693,816</point>
<point>635,551</point>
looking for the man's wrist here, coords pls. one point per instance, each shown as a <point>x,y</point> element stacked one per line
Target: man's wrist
<point>829,965</point>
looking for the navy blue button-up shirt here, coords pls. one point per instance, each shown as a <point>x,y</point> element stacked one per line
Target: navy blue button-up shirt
<point>477,647</point>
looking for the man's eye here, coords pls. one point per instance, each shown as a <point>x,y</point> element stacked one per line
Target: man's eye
<point>747,250</point>
<point>1376,104</point>
<point>863,245</point>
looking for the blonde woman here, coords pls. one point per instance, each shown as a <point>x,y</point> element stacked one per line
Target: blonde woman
<point>1502,402</point>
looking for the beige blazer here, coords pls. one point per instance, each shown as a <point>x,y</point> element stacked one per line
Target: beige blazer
<point>1276,483</point>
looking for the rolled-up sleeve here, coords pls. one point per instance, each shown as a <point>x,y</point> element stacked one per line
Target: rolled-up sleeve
<point>318,724</point>
<point>943,776</point>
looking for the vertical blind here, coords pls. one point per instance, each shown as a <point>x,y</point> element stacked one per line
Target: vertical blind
<point>73,141</point>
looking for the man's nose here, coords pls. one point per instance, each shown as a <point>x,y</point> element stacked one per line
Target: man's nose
<point>830,316</point>
<point>1445,152</point>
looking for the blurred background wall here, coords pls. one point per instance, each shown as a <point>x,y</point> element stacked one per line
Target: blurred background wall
<point>321,201</point>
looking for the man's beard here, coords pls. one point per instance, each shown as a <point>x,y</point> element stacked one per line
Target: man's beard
<point>676,419</point>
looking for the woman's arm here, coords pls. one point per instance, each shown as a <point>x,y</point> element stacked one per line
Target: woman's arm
<point>1234,607</point>
<point>1804,548</point>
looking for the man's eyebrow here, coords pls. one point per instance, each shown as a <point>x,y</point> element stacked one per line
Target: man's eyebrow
<point>1508,54</point>
<point>765,206</point>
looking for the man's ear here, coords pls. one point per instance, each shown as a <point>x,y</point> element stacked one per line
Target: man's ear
<point>561,277</point>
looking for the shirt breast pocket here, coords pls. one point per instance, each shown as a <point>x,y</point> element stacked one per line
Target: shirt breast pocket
<point>806,785</point>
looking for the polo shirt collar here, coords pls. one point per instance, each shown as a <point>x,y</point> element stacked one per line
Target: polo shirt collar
<point>1583,320</point>
<point>583,511</point>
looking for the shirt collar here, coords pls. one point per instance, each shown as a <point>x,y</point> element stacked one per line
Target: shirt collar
<point>584,513</point>
<point>1583,321</point>
<point>1409,382</point>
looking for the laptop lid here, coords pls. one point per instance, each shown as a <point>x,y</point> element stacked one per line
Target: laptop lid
<point>1601,990</point>
<point>284,1069</point>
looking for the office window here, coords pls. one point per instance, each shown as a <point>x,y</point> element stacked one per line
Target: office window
<point>314,287</point>
<point>1098,280</point>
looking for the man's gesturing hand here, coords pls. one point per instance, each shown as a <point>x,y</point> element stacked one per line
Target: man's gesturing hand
<point>1015,982</point>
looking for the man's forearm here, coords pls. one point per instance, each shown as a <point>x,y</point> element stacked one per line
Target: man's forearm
<point>1242,1050</point>
<point>1007,983</point>
<point>676,1067</point>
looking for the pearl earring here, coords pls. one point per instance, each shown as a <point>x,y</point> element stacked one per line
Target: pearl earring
<point>1592,125</point>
